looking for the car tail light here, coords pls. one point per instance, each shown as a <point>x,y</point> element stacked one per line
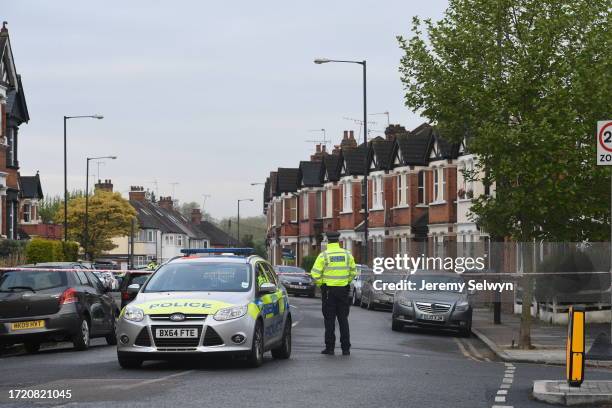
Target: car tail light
<point>125,296</point>
<point>69,296</point>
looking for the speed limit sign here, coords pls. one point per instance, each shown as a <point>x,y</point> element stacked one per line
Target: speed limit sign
<point>604,143</point>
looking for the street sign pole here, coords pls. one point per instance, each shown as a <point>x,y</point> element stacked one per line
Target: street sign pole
<point>604,158</point>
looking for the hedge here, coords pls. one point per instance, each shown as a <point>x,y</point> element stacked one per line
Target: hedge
<point>49,250</point>
<point>308,261</point>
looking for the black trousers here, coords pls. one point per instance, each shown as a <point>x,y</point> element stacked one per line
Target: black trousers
<point>336,305</point>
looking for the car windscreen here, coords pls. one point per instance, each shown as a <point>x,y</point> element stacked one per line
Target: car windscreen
<point>437,283</point>
<point>17,281</point>
<point>289,269</point>
<point>200,276</point>
<point>389,277</point>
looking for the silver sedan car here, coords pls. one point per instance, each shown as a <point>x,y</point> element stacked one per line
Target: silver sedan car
<point>195,305</point>
<point>374,293</point>
<point>443,309</point>
<point>356,284</point>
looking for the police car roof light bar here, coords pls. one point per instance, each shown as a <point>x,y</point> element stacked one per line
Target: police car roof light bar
<point>235,251</point>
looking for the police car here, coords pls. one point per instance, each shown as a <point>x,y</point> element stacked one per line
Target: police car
<point>213,300</point>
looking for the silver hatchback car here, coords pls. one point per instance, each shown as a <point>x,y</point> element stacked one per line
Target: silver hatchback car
<point>226,301</point>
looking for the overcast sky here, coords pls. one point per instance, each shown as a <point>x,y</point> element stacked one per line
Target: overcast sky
<point>210,95</point>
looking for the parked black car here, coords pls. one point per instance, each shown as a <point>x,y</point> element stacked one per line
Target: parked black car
<point>296,280</point>
<point>40,306</point>
<point>129,278</point>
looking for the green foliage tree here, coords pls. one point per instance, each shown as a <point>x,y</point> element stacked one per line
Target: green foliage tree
<point>110,215</point>
<point>49,250</point>
<point>525,82</point>
<point>308,261</point>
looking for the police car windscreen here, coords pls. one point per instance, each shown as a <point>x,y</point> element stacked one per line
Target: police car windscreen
<point>195,277</point>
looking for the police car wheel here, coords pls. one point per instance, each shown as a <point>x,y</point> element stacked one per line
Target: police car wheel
<point>396,325</point>
<point>129,362</point>
<point>284,350</point>
<point>255,357</point>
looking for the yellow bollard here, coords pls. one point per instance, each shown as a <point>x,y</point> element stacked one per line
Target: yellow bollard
<point>575,347</point>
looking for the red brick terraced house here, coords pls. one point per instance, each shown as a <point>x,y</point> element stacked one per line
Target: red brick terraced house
<point>419,200</point>
<point>13,113</point>
<point>312,201</point>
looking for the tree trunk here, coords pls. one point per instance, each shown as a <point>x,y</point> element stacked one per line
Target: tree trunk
<point>525,330</point>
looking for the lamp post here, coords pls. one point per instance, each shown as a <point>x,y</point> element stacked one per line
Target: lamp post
<point>238,218</point>
<point>66,169</point>
<point>86,244</point>
<point>365,142</point>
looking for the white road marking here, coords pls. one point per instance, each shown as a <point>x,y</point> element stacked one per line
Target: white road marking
<point>294,324</point>
<point>507,380</point>
<point>406,355</point>
<point>500,398</point>
<point>502,392</point>
<point>505,386</point>
<point>295,307</point>
<point>154,380</point>
<point>509,375</point>
<point>502,406</point>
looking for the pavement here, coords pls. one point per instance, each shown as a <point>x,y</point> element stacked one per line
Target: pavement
<point>559,392</point>
<point>413,368</point>
<point>548,340</point>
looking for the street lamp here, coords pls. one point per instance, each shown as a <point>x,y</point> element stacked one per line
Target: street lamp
<point>365,141</point>
<point>86,244</point>
<point>238,218</point>
<point>66,169</point>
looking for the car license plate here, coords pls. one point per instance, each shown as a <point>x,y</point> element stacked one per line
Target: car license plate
<point>295,286</point>
<point>434,318</point>
<point>177,333</point>
<point>32,324</point>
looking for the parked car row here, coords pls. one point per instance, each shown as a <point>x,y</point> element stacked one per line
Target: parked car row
<point>443,308</point>
<point>55,305</point>
<point>296,280</point>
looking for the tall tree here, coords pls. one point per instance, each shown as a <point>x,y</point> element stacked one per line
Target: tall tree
<point>525,82</point>
<point>109,216</point>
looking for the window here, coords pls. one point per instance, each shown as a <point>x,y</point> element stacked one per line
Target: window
<point>443,192</point>
<point>435,185</point>
<point>179,241</point>
<point>347,196</point>
<point>283,203</point>
<point>293,209</point>
<point>421,187</point>
<point>11,156</point>
<point>377,192</point>
<point>402,189</point>
<point>329,204</point>
<point>27,212</point>
<point>319,204</point>
<point>305,206</point>
<point>150,236</point>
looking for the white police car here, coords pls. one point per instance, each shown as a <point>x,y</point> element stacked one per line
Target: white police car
<point>217,300</point>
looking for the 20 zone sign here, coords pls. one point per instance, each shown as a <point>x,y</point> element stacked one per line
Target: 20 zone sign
<point>604,143</point>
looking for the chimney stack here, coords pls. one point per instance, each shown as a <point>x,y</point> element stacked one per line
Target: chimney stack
<point>392,131</point>
<point>166,203</point>
<point>137,193</point>
<point>319,153</point>
<point>348,140</point>
<point>196,216</point>
<point>107,185</point>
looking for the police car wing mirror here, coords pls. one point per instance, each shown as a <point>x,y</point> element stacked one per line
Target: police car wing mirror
<point>133,288</point>
<point>267,287</point>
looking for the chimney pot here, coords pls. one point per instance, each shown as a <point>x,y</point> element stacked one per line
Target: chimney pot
<point>345,135</point>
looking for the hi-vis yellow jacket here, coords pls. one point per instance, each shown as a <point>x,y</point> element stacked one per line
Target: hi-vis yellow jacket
<point>334,267</point>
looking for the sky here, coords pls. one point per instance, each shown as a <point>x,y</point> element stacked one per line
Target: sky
<point>210,95</point>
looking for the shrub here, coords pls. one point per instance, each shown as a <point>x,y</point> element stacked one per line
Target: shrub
<point>49,250</point>
<point>308,261</point>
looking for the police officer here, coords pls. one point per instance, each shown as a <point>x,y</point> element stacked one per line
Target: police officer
<point>333,271</point>
<point>152,265</point>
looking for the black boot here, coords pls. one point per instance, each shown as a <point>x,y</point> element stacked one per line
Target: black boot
<point>346,352</point>
<point>328,351</point>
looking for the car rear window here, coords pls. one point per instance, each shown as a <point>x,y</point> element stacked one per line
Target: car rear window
<point>25,280</point>
<point>140,278</point>
<point>199,276</point>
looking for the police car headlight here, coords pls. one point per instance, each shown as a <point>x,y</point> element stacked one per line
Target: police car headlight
<point>405,302</point>
<point>230,313</point>
<point>133,314</point>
